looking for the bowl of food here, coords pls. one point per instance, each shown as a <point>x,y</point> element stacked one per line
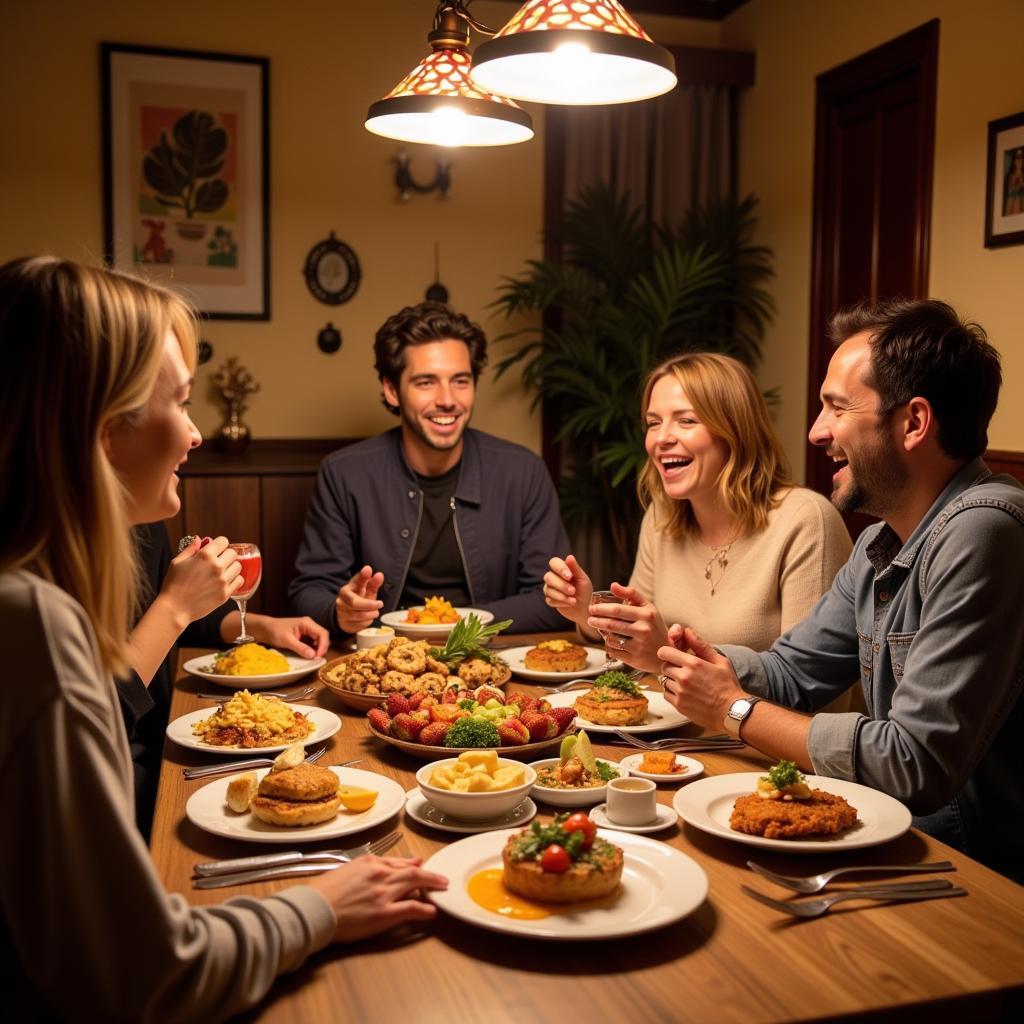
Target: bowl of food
<point>475,786</point>
<point>433,620</point>
<point>576,778</point>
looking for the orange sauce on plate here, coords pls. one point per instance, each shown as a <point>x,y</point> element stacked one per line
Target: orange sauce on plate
<point>487,889</point>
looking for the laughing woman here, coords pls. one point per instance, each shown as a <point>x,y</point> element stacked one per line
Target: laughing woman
<point>97,372</point>
<point>728,544</point>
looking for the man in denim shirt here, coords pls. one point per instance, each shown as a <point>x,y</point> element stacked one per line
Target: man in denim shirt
<point>929,609</point>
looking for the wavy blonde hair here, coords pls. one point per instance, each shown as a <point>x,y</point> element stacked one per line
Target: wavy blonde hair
<point>81,348</point>
<point>725,397</point>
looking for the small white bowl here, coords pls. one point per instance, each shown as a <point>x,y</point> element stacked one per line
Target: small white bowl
<point>373,636</point>
<point>474,806</point>
<point>570,797</point>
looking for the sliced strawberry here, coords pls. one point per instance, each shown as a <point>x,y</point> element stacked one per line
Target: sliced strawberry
<point>513,733</point>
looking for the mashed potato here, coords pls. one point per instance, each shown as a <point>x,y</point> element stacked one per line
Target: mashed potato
<point>250,660</point>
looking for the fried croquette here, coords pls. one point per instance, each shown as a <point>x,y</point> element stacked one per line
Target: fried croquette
<point>824,814</point>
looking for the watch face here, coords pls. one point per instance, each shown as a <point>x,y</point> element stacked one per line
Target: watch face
<point>740,708</point>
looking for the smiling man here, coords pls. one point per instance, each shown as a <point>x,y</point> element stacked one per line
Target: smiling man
<point>433,506</point>
<point>928,609</point>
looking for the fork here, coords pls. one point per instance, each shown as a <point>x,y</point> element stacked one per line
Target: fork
<point>815,883</point>
<point>815,908</point>
<point>681,742</point>
<point>272,860</point>
<point>301,694</point>
<point>304,864</point>
<point>201,771</point>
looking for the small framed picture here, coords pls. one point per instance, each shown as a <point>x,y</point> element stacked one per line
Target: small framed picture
<point>1004,203</point>
<point>186,174</point>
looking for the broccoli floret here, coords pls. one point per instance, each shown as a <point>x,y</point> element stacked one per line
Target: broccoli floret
<point>618,681</point>
<point>472,732</point>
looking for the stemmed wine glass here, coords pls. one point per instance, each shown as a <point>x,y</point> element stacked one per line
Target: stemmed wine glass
<point>607,597</point>
<point>251,561</point>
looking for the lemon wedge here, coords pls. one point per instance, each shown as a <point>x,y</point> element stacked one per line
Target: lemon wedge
<point>356,799</point>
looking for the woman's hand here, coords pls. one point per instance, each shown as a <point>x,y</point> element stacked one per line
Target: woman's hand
<point>288,633</point>
<point>372,894</point>
<point>568,588</point>
<point>698,681</point>
<point>638,628</point>
<point>200,579</point>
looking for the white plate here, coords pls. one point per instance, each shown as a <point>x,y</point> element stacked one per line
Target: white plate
<point>665,817</point>
<point>299,667</point>
<point>660,884</point>
<point>660,714</point>
<point>707,805</point>
<point>693,767</point>
<point>420,809</point>
<point>597,662</point>
<point>396,620</point>
<point>207,809</point>
<point>325,723</point>
<point>568,797</point>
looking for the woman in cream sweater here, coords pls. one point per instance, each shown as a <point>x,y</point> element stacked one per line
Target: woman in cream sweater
<point>728,544</point>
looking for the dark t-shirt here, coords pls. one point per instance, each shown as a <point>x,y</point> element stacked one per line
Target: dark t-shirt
<point>436,567</point>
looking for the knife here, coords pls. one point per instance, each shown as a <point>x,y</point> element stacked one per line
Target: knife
<point>257,862</point>
<point>263,874</point>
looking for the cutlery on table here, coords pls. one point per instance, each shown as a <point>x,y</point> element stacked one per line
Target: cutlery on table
<point>273,860</point>
<point>815,883</point>
<point>306,865</point>
<point>681,742</point>
<point>303,693</point>
<point>889,894</point>
<point>201,771</point>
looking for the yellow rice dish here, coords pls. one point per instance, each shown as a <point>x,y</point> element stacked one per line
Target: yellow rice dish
<point>250,660</point>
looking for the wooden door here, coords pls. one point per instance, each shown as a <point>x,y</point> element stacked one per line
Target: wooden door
<point>874,143</point>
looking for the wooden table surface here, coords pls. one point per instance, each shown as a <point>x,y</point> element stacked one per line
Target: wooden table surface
<point>730,960</point>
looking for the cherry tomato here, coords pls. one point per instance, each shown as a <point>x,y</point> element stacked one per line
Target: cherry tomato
<point>555,859</point>
<point>581,823</point>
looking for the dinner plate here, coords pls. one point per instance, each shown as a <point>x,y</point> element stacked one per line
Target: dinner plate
<point>298,667</point>
<point>707,805</point>
<point>208,810</point>
<point>660,885</point>
<point>420,809</point>
<point>568,797</point>
<point>660,714</point>
<point>432,753</point>
<point>597,662</point>
<point>396,620</point>
<point>665,817</point>
<point>693,769</point>
<point>325,723</point>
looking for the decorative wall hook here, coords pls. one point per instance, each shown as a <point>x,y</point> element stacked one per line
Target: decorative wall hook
<point>329,338</point>
<point>407,185</point>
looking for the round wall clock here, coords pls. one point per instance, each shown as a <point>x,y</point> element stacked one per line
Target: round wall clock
<point>332,271</point>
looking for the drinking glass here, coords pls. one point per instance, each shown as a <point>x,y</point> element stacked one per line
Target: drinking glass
<point>251,561</point>
<point>610,639</point>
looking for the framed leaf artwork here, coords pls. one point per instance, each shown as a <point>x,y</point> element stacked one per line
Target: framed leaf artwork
<point>185,178</point>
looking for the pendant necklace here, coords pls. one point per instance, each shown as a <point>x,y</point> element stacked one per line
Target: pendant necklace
<point>720,559</point>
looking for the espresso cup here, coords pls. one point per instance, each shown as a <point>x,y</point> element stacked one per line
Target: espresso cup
<point>631,801</point>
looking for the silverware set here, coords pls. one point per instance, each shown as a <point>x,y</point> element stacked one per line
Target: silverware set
<point>680,743</point>
<point>930,889</point>
<point>292,863</point>
<point>302,693</point>
<point>219,767</point>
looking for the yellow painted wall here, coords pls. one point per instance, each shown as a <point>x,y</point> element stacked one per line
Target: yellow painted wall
<point>980,78</point>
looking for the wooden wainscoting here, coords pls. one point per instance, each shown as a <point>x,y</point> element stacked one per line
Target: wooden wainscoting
<point>1001,461</point>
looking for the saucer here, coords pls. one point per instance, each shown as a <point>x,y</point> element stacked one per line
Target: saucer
<point>420,810</point>
<point>666,816</point>
<point>691,769</point>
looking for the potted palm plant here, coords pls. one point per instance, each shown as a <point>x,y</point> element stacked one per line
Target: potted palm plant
<point>625,295</point>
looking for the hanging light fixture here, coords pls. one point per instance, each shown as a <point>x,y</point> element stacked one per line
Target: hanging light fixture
<point>437,104</point>
<point>573,52</point>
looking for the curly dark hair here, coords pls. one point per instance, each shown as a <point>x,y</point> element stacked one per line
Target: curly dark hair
<point>924,349</point>
<point>417,325</point>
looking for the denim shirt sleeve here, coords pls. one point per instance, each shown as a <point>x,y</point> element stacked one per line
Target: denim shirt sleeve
<point>964,669</point>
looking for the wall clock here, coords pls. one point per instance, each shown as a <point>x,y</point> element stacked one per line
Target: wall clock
<point>332,271</point>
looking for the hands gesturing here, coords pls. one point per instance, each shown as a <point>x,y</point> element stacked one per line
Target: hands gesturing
<point>698,680</point>
<point>568,588</point>
<point>356,605</point>
<point>638,627</point>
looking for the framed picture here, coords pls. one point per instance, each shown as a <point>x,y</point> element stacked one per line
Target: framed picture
<point>186,174</point>
<point>1004,202</point>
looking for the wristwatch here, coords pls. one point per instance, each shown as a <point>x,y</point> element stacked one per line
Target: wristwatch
<point>738,713</point>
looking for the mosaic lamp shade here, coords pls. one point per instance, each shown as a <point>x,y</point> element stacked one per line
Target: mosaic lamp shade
<point>576,52</point>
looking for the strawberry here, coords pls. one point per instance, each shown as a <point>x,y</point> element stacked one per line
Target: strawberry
<point>483,694</point>
<point>423,714</point>
<point>513,733</point>
<point>543,706</point>
<point>434,734</point>
<point>451,694</point>
<point>526,703</point>
<point>446,713</point>
<point>405,727</point>
<point>398,704</point>
<point>379,719</point>
<point>542,727</point>
<point>563,717</point>
<point>414,700</point>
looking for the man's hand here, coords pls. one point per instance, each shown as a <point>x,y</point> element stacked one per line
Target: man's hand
<point>288,633</point>
<point>636,623</point>
<point>356,605</point>
<point>201,578</point>
<point>698,681</point>
<point>567,588</point>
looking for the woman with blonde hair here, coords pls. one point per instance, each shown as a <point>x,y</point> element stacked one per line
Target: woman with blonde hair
<point>97,373</point>
<point>728,544</point>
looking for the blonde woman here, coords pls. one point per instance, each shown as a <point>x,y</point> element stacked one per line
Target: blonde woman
<point>728,544</point>
<point>97,373</point>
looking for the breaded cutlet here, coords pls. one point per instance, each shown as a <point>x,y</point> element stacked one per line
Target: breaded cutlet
<point>824,814</point>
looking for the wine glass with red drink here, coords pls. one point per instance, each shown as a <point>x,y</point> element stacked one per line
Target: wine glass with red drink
<point>251,561</point>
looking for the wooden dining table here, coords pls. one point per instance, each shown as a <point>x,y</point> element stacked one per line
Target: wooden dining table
<point>731,959</point>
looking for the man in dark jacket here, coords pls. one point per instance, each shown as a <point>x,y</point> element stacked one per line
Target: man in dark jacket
<point>431,507</point>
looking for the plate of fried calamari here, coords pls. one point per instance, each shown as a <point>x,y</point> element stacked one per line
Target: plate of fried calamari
<point>809,814</point>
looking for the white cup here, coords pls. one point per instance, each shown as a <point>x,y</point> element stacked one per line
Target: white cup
<point>372,636</point>
<point>631,801</point>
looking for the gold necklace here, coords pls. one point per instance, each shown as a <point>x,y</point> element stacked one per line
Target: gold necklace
<point>719,557</point>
